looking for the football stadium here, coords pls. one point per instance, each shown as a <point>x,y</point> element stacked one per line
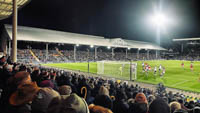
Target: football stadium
<point>72,59</point>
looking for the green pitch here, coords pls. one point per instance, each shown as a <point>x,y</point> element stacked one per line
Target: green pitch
<point>175,76</point>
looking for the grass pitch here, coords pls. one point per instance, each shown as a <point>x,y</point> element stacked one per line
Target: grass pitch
<point>175,76</point>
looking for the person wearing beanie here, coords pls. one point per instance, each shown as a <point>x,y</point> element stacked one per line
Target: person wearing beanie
<point>69,104</point>
<point>65,90</point>
<point>19,101</point>
<point>13,82</point>
<point>141,98</point>
<point>140,105</point>
<point>98,109</point>
<point>47,83</point>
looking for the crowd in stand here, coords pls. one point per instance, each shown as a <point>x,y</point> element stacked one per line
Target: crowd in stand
<point>81,56</point>
<point>35,89</point>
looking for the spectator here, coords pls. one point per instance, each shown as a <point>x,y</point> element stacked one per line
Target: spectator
<point>21,98</point>
<point>159,106</point>
<point>103,98</point>
<point>120,105</point>
<point>180,111</point>
<point>174,106</point>
<point>70,104</point>
<point>42,99</point>
<point>98,109</point>
<point>65,90</point>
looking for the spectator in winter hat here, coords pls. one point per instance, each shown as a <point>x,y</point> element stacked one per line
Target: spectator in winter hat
<point>21,77</point>
<point>65,90</point>
<point>47,83</point>
<point>24,94</point>
<point>141,98</point>
<point>98,109</point>
<point>69,104</point>
<point>42,99</point>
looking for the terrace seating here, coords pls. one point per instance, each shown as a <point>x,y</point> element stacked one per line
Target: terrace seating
<point>81,56</point>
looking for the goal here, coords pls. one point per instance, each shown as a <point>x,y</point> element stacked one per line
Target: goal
<point>119,69</point>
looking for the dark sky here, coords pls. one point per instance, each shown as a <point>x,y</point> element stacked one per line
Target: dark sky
<point>126,19</point>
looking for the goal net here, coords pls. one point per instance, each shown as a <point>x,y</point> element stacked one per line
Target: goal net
<point>125,70</point>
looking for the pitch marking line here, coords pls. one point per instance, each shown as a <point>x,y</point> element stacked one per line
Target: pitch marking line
<point>180,83</point>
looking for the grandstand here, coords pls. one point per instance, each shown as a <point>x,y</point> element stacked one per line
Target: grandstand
<point>188,48</point>
<point>38,46</point>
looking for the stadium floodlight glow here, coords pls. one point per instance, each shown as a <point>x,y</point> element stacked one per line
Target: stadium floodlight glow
<point>108,47</point>
<point>77,45</point>
<point>91,46</point>
<point>129,48</point>
<point>159,19</point>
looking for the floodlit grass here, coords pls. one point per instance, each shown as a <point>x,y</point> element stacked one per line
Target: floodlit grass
<point>175,76</point>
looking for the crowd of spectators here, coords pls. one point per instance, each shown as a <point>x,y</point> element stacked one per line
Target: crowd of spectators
<point>30,88</point>
<point>81,56</point>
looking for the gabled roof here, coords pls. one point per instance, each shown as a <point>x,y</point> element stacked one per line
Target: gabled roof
<point>53,36</point>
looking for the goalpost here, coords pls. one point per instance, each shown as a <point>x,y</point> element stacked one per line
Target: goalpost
<point>122,69</point>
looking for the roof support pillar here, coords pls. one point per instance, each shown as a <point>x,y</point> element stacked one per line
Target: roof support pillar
<point>157,52</point>
<point>126,53</point>
<point>47,51</point>
<point>182,48</point>
<point>14,32</point>
<point>9,47</point>
<point>138,53</point>
<point>75,53</point>
<point>113,54</point>
<point>95,53</point>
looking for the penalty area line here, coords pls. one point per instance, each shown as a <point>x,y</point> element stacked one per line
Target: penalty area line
<point>180,83</point>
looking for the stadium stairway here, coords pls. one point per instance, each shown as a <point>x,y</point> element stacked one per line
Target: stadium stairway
<point>36,58</point>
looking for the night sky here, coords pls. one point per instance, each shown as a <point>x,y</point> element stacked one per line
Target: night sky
<point>127,19</point>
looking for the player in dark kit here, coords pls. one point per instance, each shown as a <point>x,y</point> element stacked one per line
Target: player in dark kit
<point>163,72</point>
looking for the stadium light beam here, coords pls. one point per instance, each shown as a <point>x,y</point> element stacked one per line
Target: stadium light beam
<point>159,19</point>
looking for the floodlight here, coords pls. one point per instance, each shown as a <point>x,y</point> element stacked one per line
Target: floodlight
<point>129,48</point>
<point>91,46</point>
<point>159,19</point>
<point>77,45</point>
<point>108,47</point>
